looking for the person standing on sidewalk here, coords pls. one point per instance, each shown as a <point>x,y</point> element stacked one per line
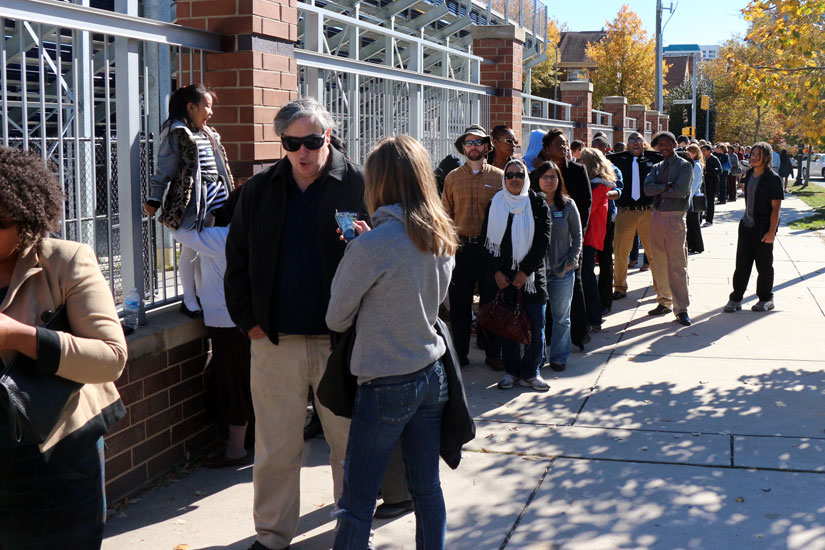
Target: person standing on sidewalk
<point>713,172</point>
<point>467,192</point>
<point>517,233</point>
<point>605,256</point>
<point>724,160</point>
<point>669,182</point>
<point>578,187</point>
<point>281,255</point>
<point>757,230</point>
<point>390,283</point>
<point>504,146</point>
<point>695,243</point>
<point>634,211</point>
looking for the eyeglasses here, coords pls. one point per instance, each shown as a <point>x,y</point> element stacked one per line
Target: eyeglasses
<point>474,142</point>
<point>550,177</point>
<point>514,175</point>
<point>635,140</point>
<point>313,142</point>
<point>511,141</point>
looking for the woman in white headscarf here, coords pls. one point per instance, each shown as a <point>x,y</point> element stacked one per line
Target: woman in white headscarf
<point>517,233</point>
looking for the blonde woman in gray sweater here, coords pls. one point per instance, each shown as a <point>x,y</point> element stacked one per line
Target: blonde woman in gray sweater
<point>393,278</point>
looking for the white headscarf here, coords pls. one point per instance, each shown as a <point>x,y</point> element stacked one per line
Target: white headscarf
<point>503,204</point>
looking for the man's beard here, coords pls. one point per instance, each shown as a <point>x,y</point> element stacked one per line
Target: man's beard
<point>474,155</point>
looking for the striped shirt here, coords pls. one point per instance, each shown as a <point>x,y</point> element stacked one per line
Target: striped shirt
<point>215,189</point>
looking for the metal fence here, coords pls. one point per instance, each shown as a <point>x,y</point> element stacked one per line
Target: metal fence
<point>87,90</point>
<point>540,113</point>
<point>378,82</point>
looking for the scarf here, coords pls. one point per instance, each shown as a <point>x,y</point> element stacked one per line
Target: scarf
<point>503,204</point>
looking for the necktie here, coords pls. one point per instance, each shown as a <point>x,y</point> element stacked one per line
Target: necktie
<point>635,190</point>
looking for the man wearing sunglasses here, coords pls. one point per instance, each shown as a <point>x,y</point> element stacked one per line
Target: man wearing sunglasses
<point>467,191</point>
<point>504,146</point>
<point>282,252</point>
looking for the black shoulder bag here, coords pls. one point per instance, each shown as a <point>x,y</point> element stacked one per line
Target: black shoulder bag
<point>34,400</point>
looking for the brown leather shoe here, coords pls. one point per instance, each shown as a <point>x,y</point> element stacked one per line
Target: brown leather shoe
<point>494,363</point>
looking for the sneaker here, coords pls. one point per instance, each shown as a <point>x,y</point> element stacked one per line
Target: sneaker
<point>763,305</point>
<point>732,306</point>
<point>537,383</point>
<point>558,367</point>
<point>507,381</point>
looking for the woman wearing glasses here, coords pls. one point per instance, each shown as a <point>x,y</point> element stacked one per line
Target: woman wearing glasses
<point>516,229</point>
<point>504,146</point>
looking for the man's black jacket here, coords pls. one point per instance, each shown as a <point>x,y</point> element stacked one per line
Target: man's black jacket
<point>624,162</point>
<point>713,169</point>
<point>255,233</point>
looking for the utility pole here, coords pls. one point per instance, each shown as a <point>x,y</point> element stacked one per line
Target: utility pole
<point>659,104</point>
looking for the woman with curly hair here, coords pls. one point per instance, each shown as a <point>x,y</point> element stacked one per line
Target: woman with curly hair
<point>51,491</point>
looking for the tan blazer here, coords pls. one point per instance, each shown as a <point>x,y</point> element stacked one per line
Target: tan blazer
<point>58,272</point>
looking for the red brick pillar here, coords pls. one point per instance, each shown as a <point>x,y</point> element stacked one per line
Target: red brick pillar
<point>253,77</point>
<point>617,106</point>
<point>503,45</point>
<point>664,123</point>
<point>639,112</point>
<point>653,117</point>
<point>579,94</point>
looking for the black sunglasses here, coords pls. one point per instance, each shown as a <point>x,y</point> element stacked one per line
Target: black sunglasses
<point>474,142</point>
<point>514,175</point>
<point>313,142</point>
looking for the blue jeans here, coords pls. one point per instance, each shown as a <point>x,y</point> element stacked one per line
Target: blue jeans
<point>526,366</point>
<point>560,291</point>
<point>406,408</point>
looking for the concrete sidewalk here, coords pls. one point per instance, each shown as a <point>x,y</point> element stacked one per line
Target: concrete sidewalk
<point>659,436</point>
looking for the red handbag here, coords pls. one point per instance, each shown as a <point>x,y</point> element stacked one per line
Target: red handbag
<point>505,320</point>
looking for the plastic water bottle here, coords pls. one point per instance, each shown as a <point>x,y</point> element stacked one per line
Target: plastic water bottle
<point>131,309</point>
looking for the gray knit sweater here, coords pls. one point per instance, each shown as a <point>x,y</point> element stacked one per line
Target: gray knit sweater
<point>395,290</point>
<point>565,239</point>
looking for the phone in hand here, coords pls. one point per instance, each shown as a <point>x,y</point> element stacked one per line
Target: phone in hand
<point>346,221</point>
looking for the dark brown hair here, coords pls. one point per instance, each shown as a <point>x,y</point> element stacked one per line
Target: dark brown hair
<point>30,193</point>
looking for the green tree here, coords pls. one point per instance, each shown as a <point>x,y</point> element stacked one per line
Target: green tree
<point>544,75</point>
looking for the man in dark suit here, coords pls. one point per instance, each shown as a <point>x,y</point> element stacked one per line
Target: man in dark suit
<point>634,211</point>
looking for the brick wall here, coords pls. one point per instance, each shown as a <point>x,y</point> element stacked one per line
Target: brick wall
<point>502,45</point>
<point>617,106</point>
<point>580,95</point>
<point>163,390</point>
<point>253,77</point>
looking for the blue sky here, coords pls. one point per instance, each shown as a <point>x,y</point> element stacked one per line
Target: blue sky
<point>693,22</point>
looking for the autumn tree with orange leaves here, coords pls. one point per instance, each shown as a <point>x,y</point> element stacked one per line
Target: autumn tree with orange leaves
<point>625,59</point>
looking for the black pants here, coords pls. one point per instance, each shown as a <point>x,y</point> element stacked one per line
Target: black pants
<point>578,311</point>
<point>710,199</point>
<point>606,267</point>
<point>722,188</point>
<point>51,504</point>
<point>694,232</point>
<point>751,250</point>
<point>469,272</point>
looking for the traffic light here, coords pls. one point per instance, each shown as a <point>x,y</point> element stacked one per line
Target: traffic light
<point>689,131</point>
<point>705,103</point>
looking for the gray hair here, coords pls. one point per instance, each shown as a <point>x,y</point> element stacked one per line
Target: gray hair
<point>305,107</point>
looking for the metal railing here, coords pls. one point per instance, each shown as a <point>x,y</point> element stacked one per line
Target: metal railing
<point>539,113</point>
<point>401,84</point>
<point>87,90</point>
<point>602,118</point>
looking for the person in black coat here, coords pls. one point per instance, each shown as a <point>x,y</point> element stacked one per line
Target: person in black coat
<point>516,230</point>
<point>713,171</point>
<point>557,149</point>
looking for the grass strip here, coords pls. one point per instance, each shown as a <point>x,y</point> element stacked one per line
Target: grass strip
<point>813,196</point>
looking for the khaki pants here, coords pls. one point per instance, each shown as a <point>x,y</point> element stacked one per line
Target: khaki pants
<point>280,377</point>
<point>628,223</point>
<point>667,236</point>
